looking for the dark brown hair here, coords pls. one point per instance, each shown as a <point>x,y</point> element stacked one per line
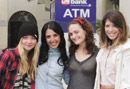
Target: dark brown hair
<point>44,48</point>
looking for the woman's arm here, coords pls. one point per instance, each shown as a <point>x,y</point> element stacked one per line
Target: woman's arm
<point>4,57</point>
<point>125,75</point>
<point>3,61</point>
<point>39,82</point>
<point>122,70</point>
<point>66,75</point>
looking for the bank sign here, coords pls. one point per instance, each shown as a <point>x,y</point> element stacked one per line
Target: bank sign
<point>66,10</point>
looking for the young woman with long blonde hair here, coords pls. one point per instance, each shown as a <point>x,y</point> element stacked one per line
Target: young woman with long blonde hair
<point>18,65</point>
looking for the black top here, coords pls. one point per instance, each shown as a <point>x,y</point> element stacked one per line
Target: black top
<point>82,74</point>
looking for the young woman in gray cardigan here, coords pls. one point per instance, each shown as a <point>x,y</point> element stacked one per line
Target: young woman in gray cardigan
<point>82,63</point>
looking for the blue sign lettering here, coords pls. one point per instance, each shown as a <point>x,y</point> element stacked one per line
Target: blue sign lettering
<point>73,13</point>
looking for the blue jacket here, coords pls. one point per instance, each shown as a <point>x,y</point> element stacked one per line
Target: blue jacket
<point>49,75</point>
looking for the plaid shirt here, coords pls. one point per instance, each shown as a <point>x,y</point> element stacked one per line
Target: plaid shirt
<point>9,67</point>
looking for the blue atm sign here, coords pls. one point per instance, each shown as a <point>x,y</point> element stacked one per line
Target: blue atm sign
<point>66,10</point>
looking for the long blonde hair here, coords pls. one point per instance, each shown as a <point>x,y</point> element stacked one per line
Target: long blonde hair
<point>24,61</point>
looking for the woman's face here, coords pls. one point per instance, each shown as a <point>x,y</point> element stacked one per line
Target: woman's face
<point>77,34</point>
<point>52,38</point>
<point>111,30</point>
<point>28,42</point>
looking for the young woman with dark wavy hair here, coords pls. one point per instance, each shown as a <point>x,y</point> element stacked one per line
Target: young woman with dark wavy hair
<point>82,63</point>
<point>53,57</point>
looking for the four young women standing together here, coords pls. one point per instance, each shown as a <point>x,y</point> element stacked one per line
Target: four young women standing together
<point>112,61</point>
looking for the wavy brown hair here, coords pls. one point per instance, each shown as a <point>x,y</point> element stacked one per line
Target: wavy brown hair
<point>88,28</point>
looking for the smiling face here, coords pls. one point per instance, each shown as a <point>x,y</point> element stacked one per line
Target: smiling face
<point>52,38</point>
<point>77,34</point>
<point>111,30</point>
<point>28,42</point>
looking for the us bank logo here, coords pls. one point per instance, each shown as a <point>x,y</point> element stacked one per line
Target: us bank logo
<point>74,2</point>
<point>65,2</point>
